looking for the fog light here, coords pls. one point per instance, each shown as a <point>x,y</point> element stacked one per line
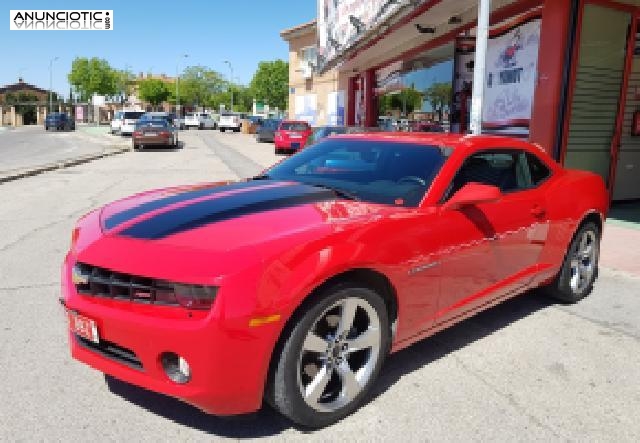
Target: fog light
<point>176,367</point>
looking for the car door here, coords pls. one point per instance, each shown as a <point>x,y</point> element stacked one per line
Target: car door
<point>490,249</point>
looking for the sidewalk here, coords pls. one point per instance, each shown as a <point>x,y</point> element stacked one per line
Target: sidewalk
<point>620,247</point>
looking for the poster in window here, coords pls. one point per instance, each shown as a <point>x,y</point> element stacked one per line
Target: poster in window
<point>511,70</point>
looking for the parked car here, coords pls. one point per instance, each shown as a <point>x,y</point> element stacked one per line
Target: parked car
<point>199,120</point>
<point>128,121</point>
<point>157,116</point>
<point>265,132</point>
<point>59,121</point>
<point>230,121</point>
<point>291,136</point>
<point>424,126</point>
<point>310,274</point>
<point>154,132</point>
<point>116,122</point>
<point>320,132</point>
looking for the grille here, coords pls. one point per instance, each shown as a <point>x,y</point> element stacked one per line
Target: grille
<point>112,352</point>
<point>100,282</point>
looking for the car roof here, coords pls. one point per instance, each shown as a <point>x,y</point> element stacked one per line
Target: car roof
<point>455,141</point>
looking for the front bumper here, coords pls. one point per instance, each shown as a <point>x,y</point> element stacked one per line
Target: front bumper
<point>228,359</point>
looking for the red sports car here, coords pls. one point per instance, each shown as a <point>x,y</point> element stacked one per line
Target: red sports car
<point>291,136</point>
<point>293,286</point>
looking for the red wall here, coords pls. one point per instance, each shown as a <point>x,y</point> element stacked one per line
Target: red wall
<point>554,38</point>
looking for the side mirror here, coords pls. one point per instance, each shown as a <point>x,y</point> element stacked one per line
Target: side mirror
<point>472,194</point>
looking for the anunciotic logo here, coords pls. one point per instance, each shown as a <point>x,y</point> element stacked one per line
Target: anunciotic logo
<point>67,20</point>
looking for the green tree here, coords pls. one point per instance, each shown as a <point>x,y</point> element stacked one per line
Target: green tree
<point>406,101</point>
<point>439,96</point>
<point>270,83</point>
<point>92,75</point>
<point>124,82</point>
<point>154,91</point>
<point>198,85</point>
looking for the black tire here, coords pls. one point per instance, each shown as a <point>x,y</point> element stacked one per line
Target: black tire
<point>236,129</point>
<point>201,127</point>
<point>288,371</point>
<point>570,285</point>
<point>223,129</point>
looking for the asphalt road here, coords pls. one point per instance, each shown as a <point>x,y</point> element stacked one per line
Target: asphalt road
<point>526,370</point>
<point>31,146</point>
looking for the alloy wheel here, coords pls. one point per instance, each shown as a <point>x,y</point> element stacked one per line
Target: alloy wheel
<point>339,354</point>
<point>583,262</point>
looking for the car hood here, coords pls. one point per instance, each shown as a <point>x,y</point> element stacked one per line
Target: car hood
<point>194,233</point>
<point>224,216</point>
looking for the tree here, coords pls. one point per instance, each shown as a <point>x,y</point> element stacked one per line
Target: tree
<point>153,91</point>
<point>406,101</point>
<point>270,83</point>
<point>124,82</point>
<point>93,75</point>
<point>439,95</point>
<point>198,85</point>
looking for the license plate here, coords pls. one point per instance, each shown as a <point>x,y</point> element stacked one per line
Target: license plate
<point>295,136</point>
<point>150,134</point>
<point>83,326</point>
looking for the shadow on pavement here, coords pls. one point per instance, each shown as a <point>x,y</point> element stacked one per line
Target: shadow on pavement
<point>625,211</point>
<point>268,422</point>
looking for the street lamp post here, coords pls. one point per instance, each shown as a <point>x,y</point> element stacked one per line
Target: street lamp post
<point>51,79</point>
<point>230,81</point>
<point>178,84</point>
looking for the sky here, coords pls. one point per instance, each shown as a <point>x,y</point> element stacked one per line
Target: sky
<point>150,36</point>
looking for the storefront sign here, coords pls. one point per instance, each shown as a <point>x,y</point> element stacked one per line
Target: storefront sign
<point>512,64</point>
<point>335,108</point>
<point>306,108</point>
<point>342,23</point>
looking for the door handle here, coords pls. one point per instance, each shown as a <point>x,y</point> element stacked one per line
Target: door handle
<point>538,211</point>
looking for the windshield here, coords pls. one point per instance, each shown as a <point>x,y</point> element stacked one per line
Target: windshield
<point>293,126</point>
<point>384,172</point>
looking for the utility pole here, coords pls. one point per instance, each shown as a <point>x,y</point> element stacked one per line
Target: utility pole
<point>178,84</point>
<point>230,81</point>
<point>51,79</point>
<point>482,36</point>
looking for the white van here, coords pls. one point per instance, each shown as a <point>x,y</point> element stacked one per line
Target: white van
<point>200,120</point>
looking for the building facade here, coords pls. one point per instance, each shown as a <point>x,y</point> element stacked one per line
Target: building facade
<point>561,73</point>
<point>316,98</point>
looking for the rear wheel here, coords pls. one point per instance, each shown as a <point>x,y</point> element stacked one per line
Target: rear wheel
<point>222,129</point>
<point>580,266</point>
<point>331,356</point>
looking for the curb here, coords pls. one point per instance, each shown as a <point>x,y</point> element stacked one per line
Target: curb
<point>62,164</point>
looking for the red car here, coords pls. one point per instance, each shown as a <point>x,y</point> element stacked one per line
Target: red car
<point>292,287</point>
<point>291,136</point>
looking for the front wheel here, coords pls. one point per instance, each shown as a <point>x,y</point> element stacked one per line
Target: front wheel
<point>331,356</point>
<point>580,266</point>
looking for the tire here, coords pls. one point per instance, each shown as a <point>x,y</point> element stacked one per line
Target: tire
<point>580,266</point>
<point>135,147</point>
<point>222,129</point>
<point>201,127</point>
<point>315,350</point>
<point>236,129</point>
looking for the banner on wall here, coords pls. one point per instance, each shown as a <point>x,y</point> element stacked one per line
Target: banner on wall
<point>306,108</point>
<point>335,108</point>
<point>342,23</point>
<point>463,66</point>
<point>512,66</point>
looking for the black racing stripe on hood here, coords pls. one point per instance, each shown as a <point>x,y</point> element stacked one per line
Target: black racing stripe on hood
<point>225,208</point>
<point>136,211</point>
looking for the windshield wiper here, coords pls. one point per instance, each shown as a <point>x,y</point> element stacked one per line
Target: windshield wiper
<point>339,192</point>
<point>261,177</point>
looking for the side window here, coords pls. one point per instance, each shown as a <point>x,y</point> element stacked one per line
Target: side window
<point>505,169</point>
<point>538,170</point>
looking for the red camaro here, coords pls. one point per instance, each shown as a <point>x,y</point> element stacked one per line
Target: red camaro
<point>293,286</point>
<point>291,136</point>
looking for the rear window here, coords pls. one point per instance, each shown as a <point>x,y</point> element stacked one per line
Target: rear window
<point>131,115</point>
<point>153,123</point>
<point>294,126</point>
